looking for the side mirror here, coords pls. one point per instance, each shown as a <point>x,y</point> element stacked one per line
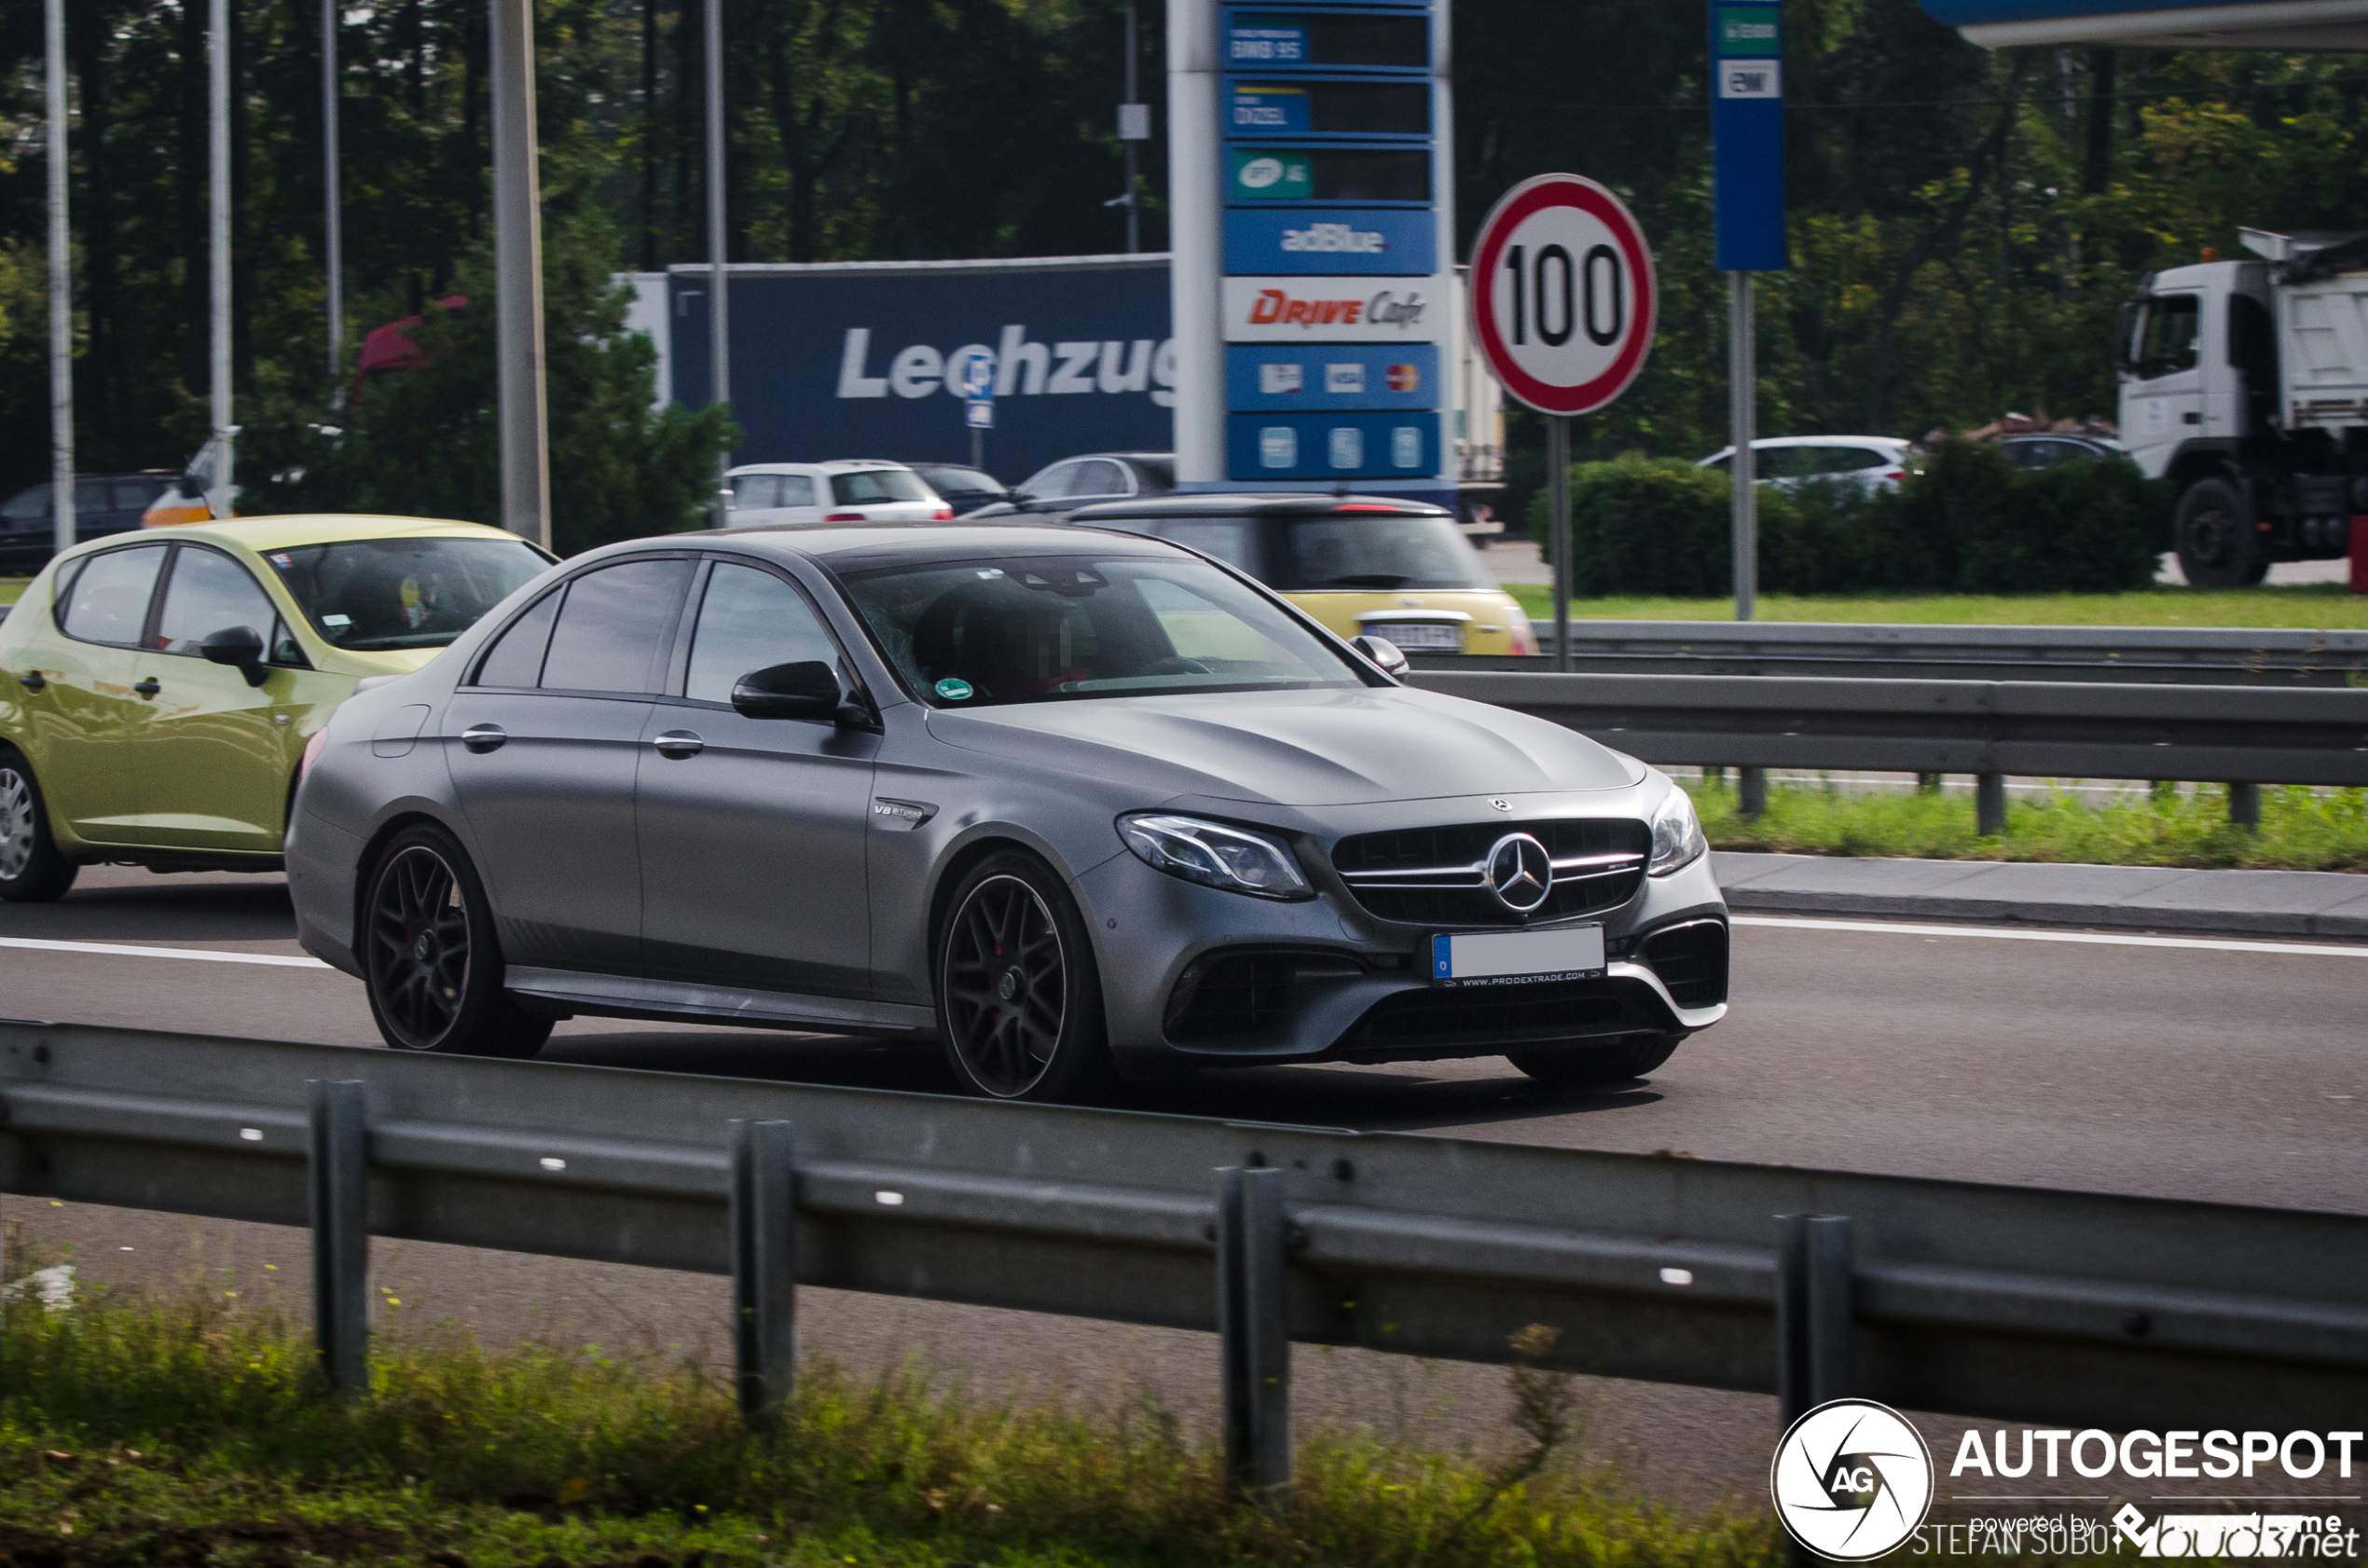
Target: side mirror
<point>238,646</point>
<point>1384,653</point>
<point>810,690</point>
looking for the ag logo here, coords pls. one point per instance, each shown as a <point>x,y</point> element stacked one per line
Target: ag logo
<point>1851,1480</point>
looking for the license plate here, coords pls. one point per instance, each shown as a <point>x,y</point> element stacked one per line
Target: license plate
<point>1418,633</point>
<point>1517,958</point>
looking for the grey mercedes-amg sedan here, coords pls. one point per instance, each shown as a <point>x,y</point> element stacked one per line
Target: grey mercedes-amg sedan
<point>1075,804</point>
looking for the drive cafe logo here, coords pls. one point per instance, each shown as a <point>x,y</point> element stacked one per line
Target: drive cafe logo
<point>1272,307</point>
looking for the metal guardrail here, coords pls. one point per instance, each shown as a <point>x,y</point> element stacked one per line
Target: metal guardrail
<point>2012,1302</point>
<point>2194,656</point>
<point>2244,737</point>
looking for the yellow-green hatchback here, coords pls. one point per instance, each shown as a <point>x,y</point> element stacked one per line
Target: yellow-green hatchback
<point>1365,566</point>
<point>159,691</point>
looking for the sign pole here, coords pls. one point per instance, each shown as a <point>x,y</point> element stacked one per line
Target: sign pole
<point>718,318</point>
<point>1742,384</point>
<point>62,496</point>
<point>1558,491</point>
<point>218,250</point>
<point>517,268</point>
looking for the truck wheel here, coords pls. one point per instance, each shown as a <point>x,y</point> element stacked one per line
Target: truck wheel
<point>2214,532</point>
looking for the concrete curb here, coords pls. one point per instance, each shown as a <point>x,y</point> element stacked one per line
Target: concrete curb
<point>2287,904</point>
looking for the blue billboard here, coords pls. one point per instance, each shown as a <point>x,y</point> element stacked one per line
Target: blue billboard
<point>1402,446</point>
<point>855,360</point>
<point>1331,242</point>
<point>1285,378</point>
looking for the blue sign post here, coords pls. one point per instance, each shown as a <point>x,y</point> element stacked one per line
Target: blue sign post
<point>1747,167</point>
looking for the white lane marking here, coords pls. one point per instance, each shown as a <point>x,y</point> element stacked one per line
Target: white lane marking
<point>280,960</point>
<point>1884,928</point>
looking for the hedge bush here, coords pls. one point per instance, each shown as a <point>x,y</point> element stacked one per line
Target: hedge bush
<point>1972,522</point>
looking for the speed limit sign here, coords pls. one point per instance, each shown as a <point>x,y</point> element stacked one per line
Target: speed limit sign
<point>1563,293</point>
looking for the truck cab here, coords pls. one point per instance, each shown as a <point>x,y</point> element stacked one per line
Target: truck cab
<point>2245,384</point>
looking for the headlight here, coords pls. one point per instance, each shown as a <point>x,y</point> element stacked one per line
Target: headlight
<point>1215,856</point>
<point>1677,834</point>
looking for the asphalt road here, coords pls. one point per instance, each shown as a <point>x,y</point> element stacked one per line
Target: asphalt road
<point>2223,1071</point>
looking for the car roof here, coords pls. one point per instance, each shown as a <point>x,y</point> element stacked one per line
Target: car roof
<point>1300,505</point>
<point>833,465</point>
<point>293,532</point>
<point>881,543</point>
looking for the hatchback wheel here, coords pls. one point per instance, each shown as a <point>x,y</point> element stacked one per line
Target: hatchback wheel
<point>32,871</point>
<point>433,964</point>
<point>1019,999</point>
<point>1583,1066</point>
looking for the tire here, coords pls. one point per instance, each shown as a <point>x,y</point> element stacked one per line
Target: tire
<point>1019,996</point>
<point>31,870</point>
<point>2214,532</point>
<point>1587,1067</point>
<point>431,961</point>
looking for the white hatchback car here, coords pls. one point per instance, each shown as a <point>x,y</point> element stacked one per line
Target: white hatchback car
<point>1874,463</point>
<point>848,491</point>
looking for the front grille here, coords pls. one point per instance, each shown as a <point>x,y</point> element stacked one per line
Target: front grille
<point>1490,1016</point>
<point>1235,996</point>
<point>1692,960</point>
<point>1433,876</point>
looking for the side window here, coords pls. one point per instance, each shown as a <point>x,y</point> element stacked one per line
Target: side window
<point>797,490</point>
<point>2167,342</point>
<point>1054,482</point>
<point>756,492</point>
<point>1100,477</point>
<point>612,630</point>
<point>1229,539</point>
<point>750,620</point>
<point>516,658</point>
<point>1850,460</point>
<point>208,593</point>
<point>109,600</point>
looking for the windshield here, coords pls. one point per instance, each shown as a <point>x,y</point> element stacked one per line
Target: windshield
<point>1013,629</point>
<point>1376,551</point>
<point>869,485</point>
<point>378,594</point>
<point>950,482</point>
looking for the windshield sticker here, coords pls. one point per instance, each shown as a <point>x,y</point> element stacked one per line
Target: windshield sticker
<point>953,689</point>
<point>334,620</point>
<point>284,561</point>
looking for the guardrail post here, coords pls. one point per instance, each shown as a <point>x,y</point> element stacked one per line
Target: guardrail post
<point>1813,1312</point>
<point>1750,791</point>
<point>764,1268</point>
<point>2244,806</point>
<point>338,1174</point>
<point>1254,1349</point>
<point>1989,805</point>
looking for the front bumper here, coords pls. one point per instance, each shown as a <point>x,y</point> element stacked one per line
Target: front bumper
<point>1193,975</point>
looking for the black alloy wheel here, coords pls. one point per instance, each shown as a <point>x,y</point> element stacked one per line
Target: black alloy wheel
<point>1019,999</point>
<point>32,871</point>
<point>2215,539</point>
<point>1589,1067</point>
<point>433,966</point>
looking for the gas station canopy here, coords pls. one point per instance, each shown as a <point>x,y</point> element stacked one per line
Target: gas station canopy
<point>2281,25</point>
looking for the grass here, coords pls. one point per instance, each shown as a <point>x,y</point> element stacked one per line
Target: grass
<point>2312,606</point>
<point>186,1428</point>
<point>11,588</point>
<point>2301,830</point>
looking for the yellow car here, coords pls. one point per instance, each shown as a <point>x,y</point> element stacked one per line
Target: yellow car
<point>1362,565</point>
<point>159,691</point>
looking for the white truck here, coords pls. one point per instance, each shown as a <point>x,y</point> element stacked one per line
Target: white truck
<point>2245,383</point>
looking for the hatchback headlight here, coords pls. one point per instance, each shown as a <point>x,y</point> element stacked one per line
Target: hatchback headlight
<point>1677,834</point>
<point>1216,855</point>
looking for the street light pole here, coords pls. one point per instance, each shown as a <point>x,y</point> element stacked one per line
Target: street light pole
<point>54,22</point>
<point>335,247</point>
<point>218,498</point>
<point>1133,188</point>
<point>718,314</point>
<point>517,266</point>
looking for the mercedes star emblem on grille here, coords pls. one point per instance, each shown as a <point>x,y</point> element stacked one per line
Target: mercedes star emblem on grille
<point>1519,873</point>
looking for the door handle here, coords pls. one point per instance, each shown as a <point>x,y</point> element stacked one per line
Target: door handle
<point>148,688</point>
<point>31,682</point>
<point>678,744</point>
<point>482,738</point>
